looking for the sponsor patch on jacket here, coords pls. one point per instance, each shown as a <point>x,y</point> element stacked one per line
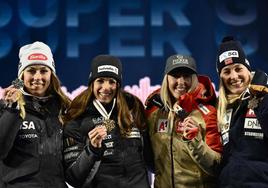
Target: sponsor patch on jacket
<point>252,126</point>
<point>27,125</point>
<point>98,120</point>
<point>226,127</point>
<point>204,109</point>
<point>163,126</point>
<point>108,137</point>
<point>109,144</point>
<point>71,155</point>
<point>28,136</point>
<point>254,134</point>
<point>252,123</point>
<point>250,114</point>
<point>108,152</point>
<point>27,130</point>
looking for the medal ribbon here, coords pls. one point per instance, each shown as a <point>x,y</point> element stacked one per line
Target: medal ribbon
<point>102,110</point>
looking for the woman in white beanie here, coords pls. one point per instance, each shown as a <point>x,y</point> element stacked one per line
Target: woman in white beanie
<point>104,132</point>
<point>31,128</point>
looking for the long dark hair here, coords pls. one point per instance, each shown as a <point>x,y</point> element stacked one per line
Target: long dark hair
<point>126,117</point>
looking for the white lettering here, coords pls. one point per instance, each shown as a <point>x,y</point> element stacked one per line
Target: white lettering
<point>27,125</point>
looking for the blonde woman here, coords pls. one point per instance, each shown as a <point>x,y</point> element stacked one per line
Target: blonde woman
<point>31,128</point>
<point>242,117</point>
<point>104,132</point>
<point>183,127</point>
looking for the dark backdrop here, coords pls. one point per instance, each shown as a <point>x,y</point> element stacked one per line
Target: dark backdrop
<point>143,33</point>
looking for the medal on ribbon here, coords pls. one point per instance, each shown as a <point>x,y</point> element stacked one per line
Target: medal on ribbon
<point>17,83</point>
<point>253,103</point>
<point>107,122</point>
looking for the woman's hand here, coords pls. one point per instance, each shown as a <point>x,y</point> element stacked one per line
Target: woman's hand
<point>11,94</point>
<point>96,136</point>
<point>191,128</point>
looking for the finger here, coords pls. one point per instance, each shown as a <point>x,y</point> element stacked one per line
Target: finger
<point>92,134</point>
<point>190,121</point>
<point>97,133</point>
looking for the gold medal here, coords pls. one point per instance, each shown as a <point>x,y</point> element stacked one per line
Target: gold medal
<point>109,124</point>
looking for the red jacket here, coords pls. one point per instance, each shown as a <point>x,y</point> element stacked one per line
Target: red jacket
<point>180,162</point>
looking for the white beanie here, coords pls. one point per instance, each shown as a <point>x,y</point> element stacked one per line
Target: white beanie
<point>37,53</point>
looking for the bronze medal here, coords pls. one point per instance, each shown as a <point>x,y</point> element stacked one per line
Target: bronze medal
<point>253,103</point>
<point>109,124</point>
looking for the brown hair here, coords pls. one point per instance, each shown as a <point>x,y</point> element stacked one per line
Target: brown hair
<point>126,117</point>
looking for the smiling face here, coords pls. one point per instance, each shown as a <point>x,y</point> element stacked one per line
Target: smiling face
<point>104,89</point>
<point>37,79</point>
<point>236,78</point>
<point>179,83</point>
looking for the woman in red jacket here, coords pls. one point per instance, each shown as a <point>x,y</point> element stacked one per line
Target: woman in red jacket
<point>183,127</point>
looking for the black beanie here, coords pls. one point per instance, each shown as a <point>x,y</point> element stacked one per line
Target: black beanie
<point>230,52</point>
<point>106,66</point>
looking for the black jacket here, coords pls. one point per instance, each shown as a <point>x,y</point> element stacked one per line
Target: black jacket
<point>31,149</point>
<point>245,159</point>
<point>119,163</point>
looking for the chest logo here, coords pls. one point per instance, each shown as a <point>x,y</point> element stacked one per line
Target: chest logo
<point>163,125</point>
<point>27,125</point>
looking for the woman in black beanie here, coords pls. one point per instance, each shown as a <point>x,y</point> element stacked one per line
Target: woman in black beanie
<point>242,117</point>
<point>104,132</point>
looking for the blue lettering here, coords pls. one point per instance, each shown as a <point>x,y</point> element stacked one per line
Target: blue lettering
<point>162,38</point>
<point>236,13</point>
<point>30,19</point>
<point>116,17</point>
<point>173,8</point>
<point>74,8</point>
<point>124,42</point>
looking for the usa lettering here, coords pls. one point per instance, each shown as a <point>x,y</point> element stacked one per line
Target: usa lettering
<point>27,125</point>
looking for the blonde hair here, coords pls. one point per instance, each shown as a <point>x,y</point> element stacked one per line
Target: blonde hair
<point>166,96</point>
<point>224,99</point>
<point>54,88</point>
<point>221,105</point>
<point>126,117</point>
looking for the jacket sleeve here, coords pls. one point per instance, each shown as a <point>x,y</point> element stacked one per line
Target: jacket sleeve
<point>147,151</point>
<point>9,128</point>
<point>262,114</point>
<point>206,148</point>
<point>81,160</point>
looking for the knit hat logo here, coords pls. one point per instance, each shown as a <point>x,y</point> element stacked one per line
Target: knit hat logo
<point>108,68</point>
<point>37,56</point>
<point>230,52</point>
<point>37,53</point>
